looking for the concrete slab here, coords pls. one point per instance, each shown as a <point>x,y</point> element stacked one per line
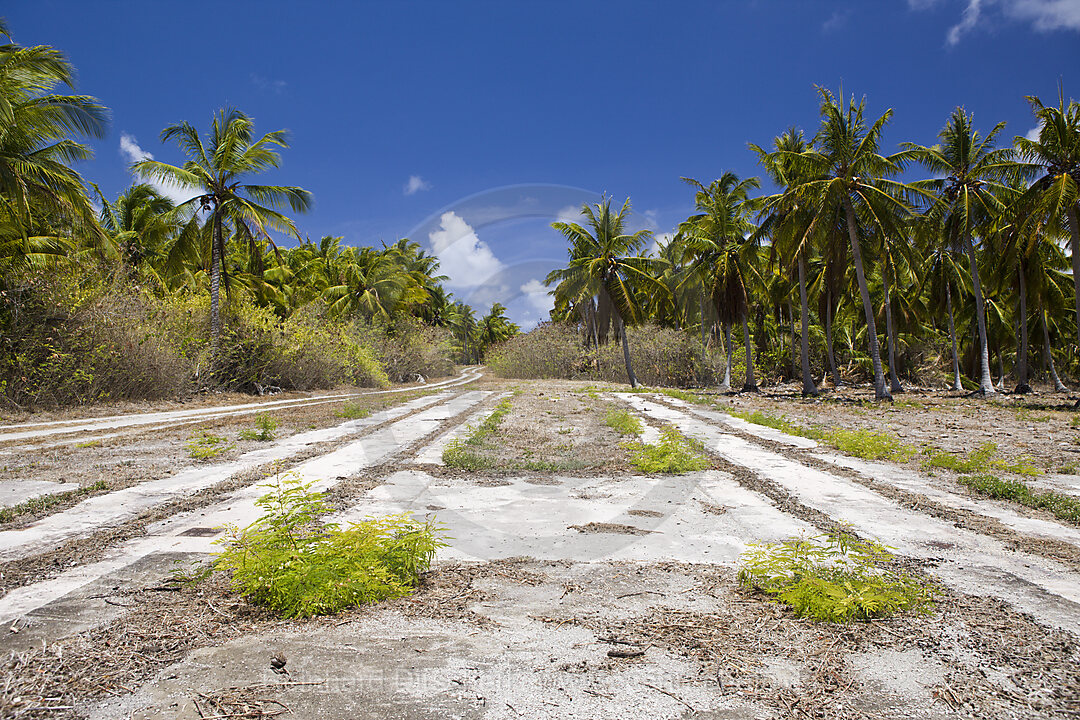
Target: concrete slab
<point>431,454</point>
<point>761,431</point>
<point>14,492</point>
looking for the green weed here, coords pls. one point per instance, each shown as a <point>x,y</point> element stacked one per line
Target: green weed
<point>265,425</point>
<point>832,578</point>
<point>204,445</point>
<point>353,411</point>
<point>672,454</point>
<point>289,561</point>
<point>1063,507</point>
<point>623,422</point>
<point>466,454</point>
<point>981,458</point>
<point>45,502</point>
<point>88,444</point>
<point>869,445</point>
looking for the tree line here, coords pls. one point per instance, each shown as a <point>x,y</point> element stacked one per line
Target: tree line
<point>974,257</point>
<point>53,220</point>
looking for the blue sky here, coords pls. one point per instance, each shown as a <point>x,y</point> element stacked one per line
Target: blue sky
<point>469,127</point>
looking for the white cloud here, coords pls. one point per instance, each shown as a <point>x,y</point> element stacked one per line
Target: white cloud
<point>650,219</point>
<point>1043,15</point>
<point>658,240</point>
<point>1033,133</point>
<point>129,148</point>
<point>569,214</point>
<point>463,257</point>
<point>263,83</point>
<point>415,185</point>
<point>538,296</point>
<point>836,21</point>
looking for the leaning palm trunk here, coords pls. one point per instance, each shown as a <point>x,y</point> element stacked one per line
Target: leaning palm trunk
<point>1058,385</point>
<point>880,392</point>
<point>1022,385</point>
<point>626,352</point>
<point>751,383</point>
<point>894,381</point>
<point>986,382</point>
<point>726,386</point>
<point>808,387</point>
<point>957,385</point>
<point>829,353</point>
<point>1074,228</point>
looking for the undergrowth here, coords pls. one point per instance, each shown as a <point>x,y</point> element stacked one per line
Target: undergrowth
<point>672,454</point>
<point>832,578</point>
<point>204,445</point>
<point>1063,507</point>
<point>265,425</point>
<point>979,459</point>
<point>623,422</point>
<point>353,411</point>
<point>466,453</point>
<point>291,562</point>
<point>44,502</point>
<point>865,444</point>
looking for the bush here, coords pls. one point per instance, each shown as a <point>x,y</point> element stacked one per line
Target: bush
<point>673,454</point>
<point>407,347</point>
<point>290,562</point>
<point>1063,507</point>
<point>265,425</point>
<point>832,578</point>
<point>660,356</point>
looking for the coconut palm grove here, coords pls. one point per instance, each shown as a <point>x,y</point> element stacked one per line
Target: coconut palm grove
<point>552,360</point>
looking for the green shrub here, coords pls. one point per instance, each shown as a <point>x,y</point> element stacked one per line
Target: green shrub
<point>290,562</point>
<point>353,411</point>
<point>204,445</point>
<point>265,425</point>
<point>1063,507</point>
<point>869,445</point>
<point>623,422</point>
<point>672,454</point>
<point>832,578</point>
<point>981,458</point>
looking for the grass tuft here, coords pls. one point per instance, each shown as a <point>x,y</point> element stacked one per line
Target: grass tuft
<point>265,425</point>
<point>672,454</point>
<point>981,458</point>
<point>1063,507</point>
<point>204,445</point>
<point>623,422</point>
<point>467,453</point>
<point>832,578</point>
<point>353,411</point>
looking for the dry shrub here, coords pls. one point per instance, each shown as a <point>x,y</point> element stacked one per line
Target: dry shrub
<point>407,347</point>
<point>660,356</point>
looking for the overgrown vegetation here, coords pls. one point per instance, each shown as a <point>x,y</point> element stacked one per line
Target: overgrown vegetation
<point>44,502</point>
<point>832,578</point>
<point>980,459</point>
<point>865,444</point>
<point>623,422</point>
<point>291,562</point>
<point>265,425</point>
<point>468,453</point>
<point>1063,507</point>
<point>672,454</point>
<point>353,410</point>
<point>205,445</point>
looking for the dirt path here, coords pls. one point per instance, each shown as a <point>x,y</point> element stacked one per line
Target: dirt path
<point>589,591</point>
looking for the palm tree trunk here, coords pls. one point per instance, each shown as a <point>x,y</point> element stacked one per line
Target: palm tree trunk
<point>794,345</point>
<point>880,392</point>
<point>986,382</point>
<point>704,340</point>
<point>829,353</point>
<point>626,352</point>
<point>1074,228</point>
<point>957,385</point>
<point>751,383</point>
<point>894,381</point>
<point>726,387</point>
<point>215,290</point>
<point>1022,385</point>
<point>1058,385</point>
<point>808,387</point>
<point>1001,369</point>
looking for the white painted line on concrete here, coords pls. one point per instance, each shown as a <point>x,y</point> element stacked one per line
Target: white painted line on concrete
<point>238,509</point>
<point>968,561</point>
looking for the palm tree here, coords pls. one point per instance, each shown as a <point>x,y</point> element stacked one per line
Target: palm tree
<point>36,151</point>
<point>493,329</point>
<point>603,264</point>
<point>1054,197</point>
<point>789,224</point>
<point>143,226</point>
<point>718,244</point>
<point>967,194</point>
<point>842,167</point>
<point>942,270</point>
<point>217,170</point>
<point>372,284</point>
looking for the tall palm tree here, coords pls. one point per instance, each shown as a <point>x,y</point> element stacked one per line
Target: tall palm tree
<point>606,263</point>
<point>493,329</point>
<point>36,153</point>
<point>1054,198</point>
<point>942,269</point>
<point>967,193</point>
<point>789,225</point>
<point>217,169</point>
<point>843,167</point>
<point>718,244</point>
